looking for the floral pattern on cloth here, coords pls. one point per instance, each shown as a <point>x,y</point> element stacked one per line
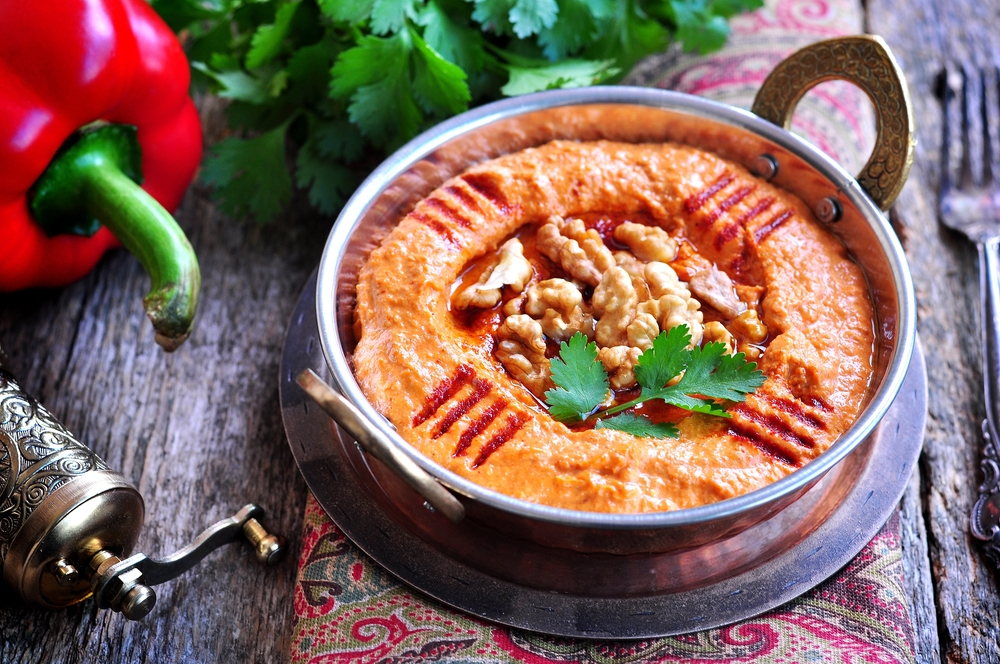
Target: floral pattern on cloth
<point>350,610</point>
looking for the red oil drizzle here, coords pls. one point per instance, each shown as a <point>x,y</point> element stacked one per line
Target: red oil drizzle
<point>480,388</point>
<point>435,226</point>
<point>773,425</point>
<point>761,233</point>
<point>447,388</point>
<point>510,427</point>
<point>488,187</point>
<point>478,426</point>
<point>448,212</point>
<point>764,446</point>
<point>794,408</point>
<point>464,197</point>
<point>817,402</point>
<point>737,196</point>
<point>696,201</point>
<point>730,231</point>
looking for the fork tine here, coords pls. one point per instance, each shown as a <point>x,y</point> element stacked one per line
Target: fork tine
<point>972,110</point>
<point>951,145</point>
<point>991,98</point>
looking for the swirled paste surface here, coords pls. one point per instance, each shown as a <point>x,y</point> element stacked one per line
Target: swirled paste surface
<point>434,368</point>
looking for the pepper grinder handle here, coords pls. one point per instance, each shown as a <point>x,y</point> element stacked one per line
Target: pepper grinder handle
<point>68,522</point>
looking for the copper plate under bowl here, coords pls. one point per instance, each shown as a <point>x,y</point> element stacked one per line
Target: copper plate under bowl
<point>518,583</point>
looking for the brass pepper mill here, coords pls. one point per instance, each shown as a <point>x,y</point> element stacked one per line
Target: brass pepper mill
<point>68,523</point>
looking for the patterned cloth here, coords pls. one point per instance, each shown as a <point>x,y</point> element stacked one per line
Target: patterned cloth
<point>350,610</point>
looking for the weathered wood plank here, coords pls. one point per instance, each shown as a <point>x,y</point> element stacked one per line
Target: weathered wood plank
<point>962,604</point>
<point>198,432</point>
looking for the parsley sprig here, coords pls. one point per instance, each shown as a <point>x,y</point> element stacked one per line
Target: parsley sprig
<point>337,84</point>
<point>700,379</point>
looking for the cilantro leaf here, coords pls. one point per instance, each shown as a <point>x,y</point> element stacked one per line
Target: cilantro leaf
<point>528,17</point>
<point>249,175</point>
<point>705,375</point>
<point>438,85</point>
<point>328,183</point>
<point>389,16</point>
<point>628,36</point>
<point>269,39</point>
<point>702,376</point>
<point>639,426</point>
<point>582,381</point>
<point>348,11</point>
<point>494,15</point>
<point>388,68</point>
<point>576,27</point>
<point>375,74</point>
<point>338,140</point>
<point>660,364</point>
<point>235,84</point>
<point>458,44</point>
<point>564,74</point>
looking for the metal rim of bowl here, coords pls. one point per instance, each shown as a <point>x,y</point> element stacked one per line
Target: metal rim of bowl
<point>429,141</point>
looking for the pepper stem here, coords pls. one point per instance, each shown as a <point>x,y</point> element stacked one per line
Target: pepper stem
<point>151,234</point>
<point>93,180</point>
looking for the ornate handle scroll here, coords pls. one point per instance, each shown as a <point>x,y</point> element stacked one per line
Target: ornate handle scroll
<point>37,456</point>
<point>867,62</point>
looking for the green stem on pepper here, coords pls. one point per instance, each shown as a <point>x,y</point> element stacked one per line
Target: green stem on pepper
<point>94,180</point>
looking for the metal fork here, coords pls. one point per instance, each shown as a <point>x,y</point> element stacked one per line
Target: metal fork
<point>970,203</point>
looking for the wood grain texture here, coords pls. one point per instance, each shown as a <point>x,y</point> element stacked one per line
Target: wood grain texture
<point>956,605</point>
<point>198,432</point>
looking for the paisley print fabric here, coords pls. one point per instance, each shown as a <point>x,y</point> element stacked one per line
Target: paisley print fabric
<point>350,610</point>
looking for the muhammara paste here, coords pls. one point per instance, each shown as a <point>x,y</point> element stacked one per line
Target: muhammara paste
<point>465,301</point>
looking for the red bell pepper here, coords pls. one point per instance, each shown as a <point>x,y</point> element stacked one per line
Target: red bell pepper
<point>64,65</point>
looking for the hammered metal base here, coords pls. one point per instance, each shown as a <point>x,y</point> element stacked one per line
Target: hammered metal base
<point>329,461</point>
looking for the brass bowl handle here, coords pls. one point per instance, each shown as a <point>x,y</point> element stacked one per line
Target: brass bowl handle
<point>373,442</point>
<point>867,62</point>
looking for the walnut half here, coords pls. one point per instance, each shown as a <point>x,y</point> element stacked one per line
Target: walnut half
<point>511,269</point>
<point>557,304</point>
<point>521,349</point>
<point>581,252</point>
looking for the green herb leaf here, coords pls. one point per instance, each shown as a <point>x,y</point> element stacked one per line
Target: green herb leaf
<point>494,15</point>
<point>705,374</point>
<point>389,68</point>
<point>249,175</point>
<point>529,17</point>
<point>582,381</point>
<point>338,140</point>
<point>348,11</point>
<point>438,85</point>
<point>235,84</point>
<point>640,426</point>
<point>564,74</point>
<point>329,184</point>
<point>628,36</point>
<point>660,364</point>
<point>577,26</point>
<point>712,374</point>
<point>269,40</point>
<point>456,43</point>
<point>376,76</point>
<point>389,16</point>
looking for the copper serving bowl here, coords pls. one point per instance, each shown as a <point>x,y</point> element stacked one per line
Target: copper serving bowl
<point>600,554</point>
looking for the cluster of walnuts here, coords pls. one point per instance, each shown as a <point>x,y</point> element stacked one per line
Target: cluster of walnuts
<point>636,294</point>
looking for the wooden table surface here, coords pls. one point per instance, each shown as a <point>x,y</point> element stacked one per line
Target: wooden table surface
<point>199,432</point>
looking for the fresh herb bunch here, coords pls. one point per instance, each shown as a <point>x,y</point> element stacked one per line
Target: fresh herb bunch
<point>339,83</point>
<point>708,377</point>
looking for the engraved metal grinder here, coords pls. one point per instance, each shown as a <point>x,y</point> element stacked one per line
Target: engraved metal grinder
<point>68,523</point>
